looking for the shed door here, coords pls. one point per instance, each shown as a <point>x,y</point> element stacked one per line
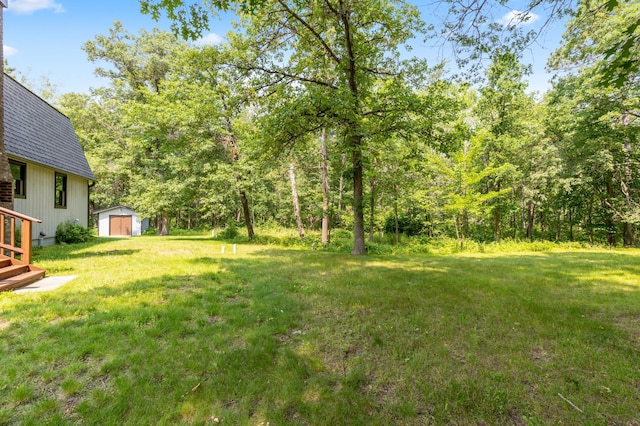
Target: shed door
<point>120,225</point>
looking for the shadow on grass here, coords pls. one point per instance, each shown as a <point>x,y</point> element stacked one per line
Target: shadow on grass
<point>172,349</point>
<point>300,337</point>
<point>79,250</point>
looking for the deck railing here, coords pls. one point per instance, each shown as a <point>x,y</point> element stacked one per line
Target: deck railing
<point>8,244</point>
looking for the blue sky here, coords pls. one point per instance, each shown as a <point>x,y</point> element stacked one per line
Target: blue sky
<point>44,38</point>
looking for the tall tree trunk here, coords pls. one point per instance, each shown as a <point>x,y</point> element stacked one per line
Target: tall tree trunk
<point>611,226</point>
<point>630,239</point>
<point>246,213</point>
<point>590,220</point>
<point>341,186</point>
<point>459,233</point>
<point>629,236</point>
<point>558,224</point>
<point>358,198</point>
<point>163,225</point>
<point>234,149</point>
<point>395,217</point>
<point>465,223</point>
<point>571,224</point>
<point>6,178</point>
<point>497,220</point>
<point>531,206</point>
<point>325,188</point>
<point>296,202</point>
<point>372,207</point>
<point>355,137</point>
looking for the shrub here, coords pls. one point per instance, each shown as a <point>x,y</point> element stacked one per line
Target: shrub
<point>69,233</point>
<point>375,248</point>
<point>150,231</point>
<point>341,234</point>
<point>230,231</point>
<point>408,225</point>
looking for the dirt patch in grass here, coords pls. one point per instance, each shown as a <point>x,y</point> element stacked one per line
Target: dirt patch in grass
<point>215,319</point>
<point>540,355</point>
<point>630,324</point>
<point>4,325</point>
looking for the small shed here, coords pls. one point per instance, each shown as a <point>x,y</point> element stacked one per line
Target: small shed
<point>120,221</point>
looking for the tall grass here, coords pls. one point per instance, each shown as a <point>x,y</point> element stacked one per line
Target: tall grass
<point>171,331</point>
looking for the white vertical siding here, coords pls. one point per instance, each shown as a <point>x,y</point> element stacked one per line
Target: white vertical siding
<point>40,201</point>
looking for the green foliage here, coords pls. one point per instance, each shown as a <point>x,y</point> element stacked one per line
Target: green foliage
<point>188,133</point>
<point>407,225</point>
<point>72,233</point>
<point>603,39</point>
<point>230,232</point>
<point>150,231</point>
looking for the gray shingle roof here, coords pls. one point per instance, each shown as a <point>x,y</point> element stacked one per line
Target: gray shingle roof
<point>37,132</point>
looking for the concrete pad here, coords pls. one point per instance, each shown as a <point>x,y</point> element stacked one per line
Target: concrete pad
<point>45,284</point>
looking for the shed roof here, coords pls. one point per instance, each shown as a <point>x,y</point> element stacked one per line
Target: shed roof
<point>113,208</point>
<point>37,132</point>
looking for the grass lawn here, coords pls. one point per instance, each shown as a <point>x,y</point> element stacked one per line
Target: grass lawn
<point>171,331</point>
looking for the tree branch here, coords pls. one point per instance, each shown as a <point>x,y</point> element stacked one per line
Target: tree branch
<point>284,74</point>
<point>315,34</point>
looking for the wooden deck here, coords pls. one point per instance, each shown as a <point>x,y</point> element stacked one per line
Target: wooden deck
<point>16,269</point>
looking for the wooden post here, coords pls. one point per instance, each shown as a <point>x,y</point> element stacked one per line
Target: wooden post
<point>2,219</point>
<point>25,241</point>
<point>12,235</point>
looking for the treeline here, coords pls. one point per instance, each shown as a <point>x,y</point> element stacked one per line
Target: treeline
<point>207,136</point>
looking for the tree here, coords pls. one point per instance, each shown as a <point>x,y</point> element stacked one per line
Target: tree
<point>98,124</point>
<point>603,36</point>
<point>135,62</point>
<point>541,168</point>
<point>598,95</point>
<point>225,110</point>
<point>324,176</point>
<point>502,110</point>
<point>599,144</point>
<point>138,67</point>
<point>357,44</point>
<point>461,174</point>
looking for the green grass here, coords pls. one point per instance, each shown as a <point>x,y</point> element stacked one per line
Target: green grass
<point>170,331</point>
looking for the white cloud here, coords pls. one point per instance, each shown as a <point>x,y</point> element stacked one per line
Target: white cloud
<point>9,51</point>
<point>516,18</point>
<point>209,40</point>
<point>30,6</point>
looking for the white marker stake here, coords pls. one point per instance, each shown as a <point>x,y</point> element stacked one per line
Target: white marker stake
<point>222,249</point>
<point>234,249</point>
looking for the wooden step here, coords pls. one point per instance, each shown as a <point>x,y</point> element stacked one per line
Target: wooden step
<point>13,270</point>
<point>22,279</point>
<point>5,262</point>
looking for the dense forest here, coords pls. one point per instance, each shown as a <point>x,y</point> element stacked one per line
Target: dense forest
<point>314,115</point>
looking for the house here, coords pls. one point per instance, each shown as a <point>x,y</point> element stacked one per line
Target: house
<point>120,221</point>
<point>50,171</point>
